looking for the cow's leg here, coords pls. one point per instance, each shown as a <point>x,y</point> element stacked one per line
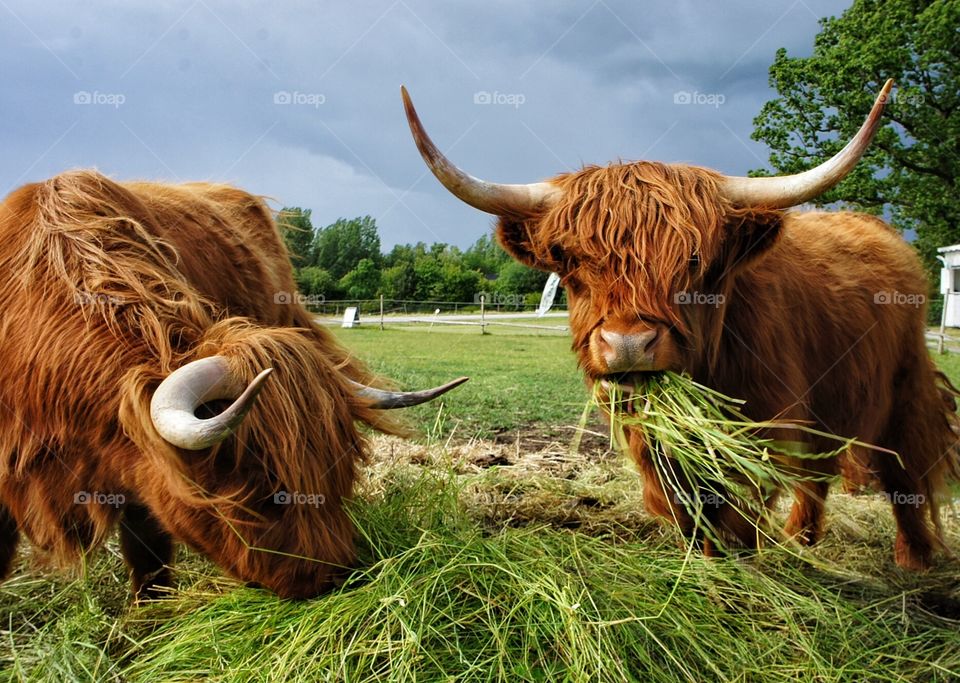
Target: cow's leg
<point>915,540</point>
<point>903,486</point>
<point>9,535</point>
<point>918,430</point>
<point>148,551</point>
<point>660,498</point>
<point>805,524</point>
<point>739,526</point>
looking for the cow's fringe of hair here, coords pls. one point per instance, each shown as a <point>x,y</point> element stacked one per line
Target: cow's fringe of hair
<point>608,215</point>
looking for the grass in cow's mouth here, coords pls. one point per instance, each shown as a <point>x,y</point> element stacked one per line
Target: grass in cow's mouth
<point>706,451</point>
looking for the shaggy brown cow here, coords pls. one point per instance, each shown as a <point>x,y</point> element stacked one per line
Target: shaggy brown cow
<point>807,316</point>
<point>138,327</point>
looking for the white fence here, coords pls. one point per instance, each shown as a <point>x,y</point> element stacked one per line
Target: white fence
<point>943,342</point>
<point>386,312</point>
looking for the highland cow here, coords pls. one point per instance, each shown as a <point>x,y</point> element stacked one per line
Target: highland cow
<point>809,317</point>
<point>157,374</point>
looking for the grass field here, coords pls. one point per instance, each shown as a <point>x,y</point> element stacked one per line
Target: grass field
<point>489,552</point>
<point>517,381</point>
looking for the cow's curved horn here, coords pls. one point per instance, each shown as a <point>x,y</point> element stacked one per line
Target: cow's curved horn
<point>175,401</point>
<point>500,200</point>
<point>385,400</point>
<point>781,192</point>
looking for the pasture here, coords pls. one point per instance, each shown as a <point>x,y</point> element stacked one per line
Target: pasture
<point>489,551</point>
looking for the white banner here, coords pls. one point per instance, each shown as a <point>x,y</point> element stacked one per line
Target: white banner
<point>549,294</point>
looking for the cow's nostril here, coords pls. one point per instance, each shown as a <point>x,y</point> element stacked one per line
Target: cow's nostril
<point>651,338</point>
<point>610,339</point>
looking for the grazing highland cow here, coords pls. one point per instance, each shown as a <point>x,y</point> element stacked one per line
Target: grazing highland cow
<point>156,373</point>
<point>814,317</point>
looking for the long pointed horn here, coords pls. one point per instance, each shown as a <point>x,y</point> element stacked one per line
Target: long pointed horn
<point>175,401</point>
<point>500,200</point>
<point>782,192</point>
<point>386,400</point>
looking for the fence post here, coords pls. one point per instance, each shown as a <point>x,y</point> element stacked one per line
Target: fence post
<point>381,312</point>
<point>943,321</point>
<point>483,314</point>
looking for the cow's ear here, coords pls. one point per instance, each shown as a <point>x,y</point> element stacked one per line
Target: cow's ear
<point>518,239</point>
<point>748,234</point>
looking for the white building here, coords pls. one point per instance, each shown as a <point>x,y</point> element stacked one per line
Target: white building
<point>950,284</point>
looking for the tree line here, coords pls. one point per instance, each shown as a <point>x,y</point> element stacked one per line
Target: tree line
<point>344,260</point>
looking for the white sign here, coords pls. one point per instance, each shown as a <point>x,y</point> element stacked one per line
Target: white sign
<point>351,317</point>
<point>549,294</point>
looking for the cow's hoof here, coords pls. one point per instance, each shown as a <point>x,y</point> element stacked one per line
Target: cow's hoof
<point>910,558</point>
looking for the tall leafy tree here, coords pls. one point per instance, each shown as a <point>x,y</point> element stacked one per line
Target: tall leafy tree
<point>298,234</point>
<point>339,247</point>
<point>911,171</point>
<point>317,282</point>
<point>516,278</point>
<point>400,281</point>
<point>363,282</point>
<point>486,256</point>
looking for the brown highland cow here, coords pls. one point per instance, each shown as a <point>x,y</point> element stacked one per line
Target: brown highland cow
<point>814,317</point>
<point>138,329</point>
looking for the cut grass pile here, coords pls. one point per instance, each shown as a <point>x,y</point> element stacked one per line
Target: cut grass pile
<point>455,582</point>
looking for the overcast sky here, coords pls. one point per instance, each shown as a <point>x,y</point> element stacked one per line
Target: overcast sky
<point>300,101</point>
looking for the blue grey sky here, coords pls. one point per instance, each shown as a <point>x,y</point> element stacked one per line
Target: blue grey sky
<point>300,101</point>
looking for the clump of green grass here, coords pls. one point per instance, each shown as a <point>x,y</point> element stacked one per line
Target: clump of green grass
<point>707,452</point>
<point>439,595</point>
<point>442,597</point>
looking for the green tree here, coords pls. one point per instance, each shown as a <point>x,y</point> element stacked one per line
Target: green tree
<point>404,253</point>
<point>457,282</point>
<point>486,256</point>
<point>400,281</point>
<point>317,282</point>
<point>516,278</point>
<point>911,171</point>
<point>340,247</point>
<point>441,275</point>
<point>298,234</point>
<point>429,274</point>
<point>363,282</point>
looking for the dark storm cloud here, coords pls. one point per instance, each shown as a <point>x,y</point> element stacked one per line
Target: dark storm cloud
<point>300,101</point>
